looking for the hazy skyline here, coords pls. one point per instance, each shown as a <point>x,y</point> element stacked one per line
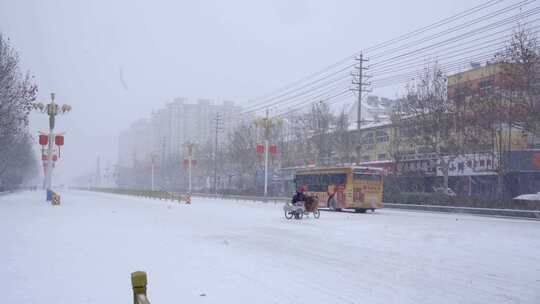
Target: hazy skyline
<point>115,62</point>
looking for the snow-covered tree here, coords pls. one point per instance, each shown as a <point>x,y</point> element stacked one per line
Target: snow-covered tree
<point>16,94</point>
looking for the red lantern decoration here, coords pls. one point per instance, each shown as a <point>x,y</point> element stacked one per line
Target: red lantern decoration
<point>55,157</point>
<point>193,163</point>
<point>260,149</point>
<point>273,149</point>
<point>148,168</point>
<point>44,157</point>
<point>43,139</point>
<point>59,140</point>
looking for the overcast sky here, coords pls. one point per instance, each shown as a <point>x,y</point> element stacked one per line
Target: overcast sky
<point>233,50</point>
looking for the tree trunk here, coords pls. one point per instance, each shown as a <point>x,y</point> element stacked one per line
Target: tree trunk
<point>445,177</point>
<point>500,182</point>
<point>500,169</point>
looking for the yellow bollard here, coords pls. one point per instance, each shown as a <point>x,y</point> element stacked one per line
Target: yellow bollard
<point>139,282</point>
<point>55,199</point>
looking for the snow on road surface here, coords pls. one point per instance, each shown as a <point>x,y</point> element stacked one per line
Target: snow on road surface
<point>246,252</point>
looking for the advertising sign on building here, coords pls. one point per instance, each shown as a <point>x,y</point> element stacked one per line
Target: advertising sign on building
<point>524,161</point>
<point>471,164</point>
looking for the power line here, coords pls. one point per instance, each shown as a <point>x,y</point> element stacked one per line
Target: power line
<point>419,59</point>
<point>455,28</point>
<point>319,96</point>
<point>404,77</point>
<point>342,80</point>
<point>417,32</point>
<point>264,105</point>
<point>461,36</point>
<point>312,75</point>
<point>434,25</point>
<point>295,109</point>
<point>397,63</point>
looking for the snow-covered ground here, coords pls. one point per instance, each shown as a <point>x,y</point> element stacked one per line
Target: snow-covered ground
<point>246,252</point>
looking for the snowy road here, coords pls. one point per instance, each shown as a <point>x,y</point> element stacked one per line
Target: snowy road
<point>244,252</point>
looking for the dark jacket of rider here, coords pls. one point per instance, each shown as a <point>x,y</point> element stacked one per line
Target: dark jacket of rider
<point>299,196</point>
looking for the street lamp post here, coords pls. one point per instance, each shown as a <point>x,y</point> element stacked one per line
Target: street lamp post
<point>52,110</point>
<point>152,171</point>
<point>190,146</point>
<point>266,141</point>
<point>190,168</point>
<point>267,124</point>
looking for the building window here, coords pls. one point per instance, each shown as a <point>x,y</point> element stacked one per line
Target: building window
<point>381,136</point>
<point>366,158</point>
<point>381,156</point>
<point>460,93</point>
<point>486,87</point>
<point>368,141</point>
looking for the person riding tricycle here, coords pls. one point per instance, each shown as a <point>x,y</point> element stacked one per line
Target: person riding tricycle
<point>301,204</point>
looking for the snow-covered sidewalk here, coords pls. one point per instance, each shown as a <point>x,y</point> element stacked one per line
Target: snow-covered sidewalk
<point>245,252</point>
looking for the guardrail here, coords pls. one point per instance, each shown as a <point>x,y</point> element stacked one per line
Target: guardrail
<point>9,192</point>
<point>268,199</point>
<point>161,195</point>
<point>530,214</point>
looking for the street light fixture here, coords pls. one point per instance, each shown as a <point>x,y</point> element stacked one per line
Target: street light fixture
<point>52,110</point>
<point>190,149</point>
<point>267,124</point>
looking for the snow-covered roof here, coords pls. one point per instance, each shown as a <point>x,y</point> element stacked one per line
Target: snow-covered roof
<point>529,197</point>
<point>372,116</point>
<point>375,124</point>
<point>376,162</point>
<point>337,167</point>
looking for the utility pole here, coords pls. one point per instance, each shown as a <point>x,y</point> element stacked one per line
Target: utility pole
<point>217,121</point>
<point>359,80</point>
